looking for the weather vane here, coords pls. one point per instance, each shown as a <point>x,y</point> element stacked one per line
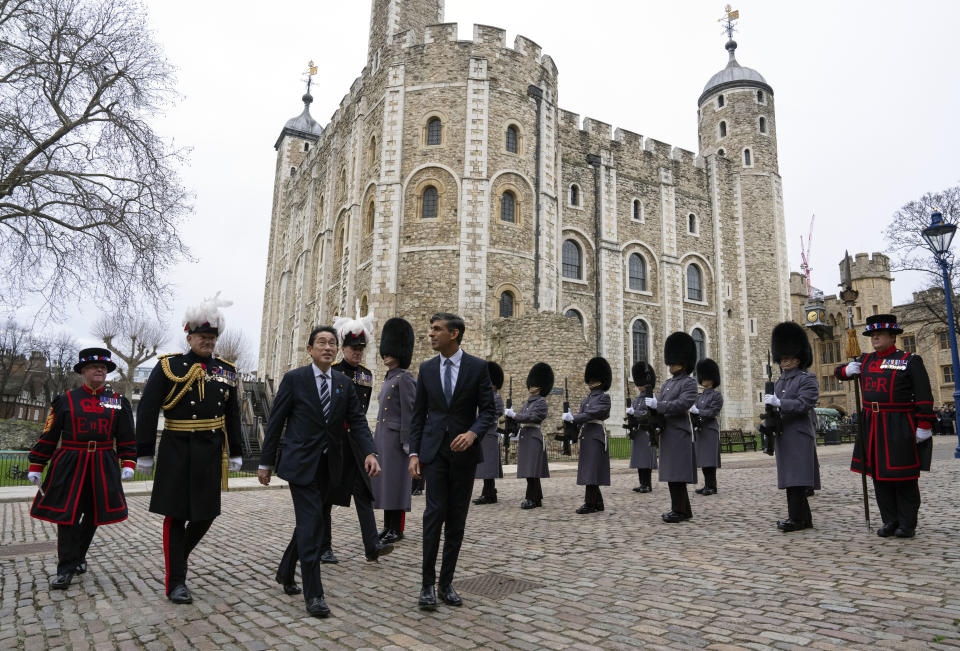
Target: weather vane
<point>729,20</point>
<point>311,71</point>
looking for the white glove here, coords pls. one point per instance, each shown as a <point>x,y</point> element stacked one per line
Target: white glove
<point>923,434</point>
<point>651,402</point>
<point>510,413</point>
<point>853,368</point>
<point>145,465</point>
<point>771,399</point>
<point>629,411</point>
<point>126,473</point>
<point>234,463</point>
<point>35,478</point>
<point>694,410</point>
<point>567,417</point>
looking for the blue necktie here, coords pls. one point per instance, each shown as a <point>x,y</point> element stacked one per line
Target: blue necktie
<point>448,381</point>
<point>324,396</point>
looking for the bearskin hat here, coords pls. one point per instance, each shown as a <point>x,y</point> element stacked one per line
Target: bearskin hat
<point>541,375</point>
<point>789,339</point>
<point>397,340</point>
<point>496,375</point>
<point>679,348</point>
<point>598,370</point>
<point>644,375</point>
<point>707,369</point>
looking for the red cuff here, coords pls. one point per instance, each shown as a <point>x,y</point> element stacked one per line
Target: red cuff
<point>128,464</point>
<point>922,424</point>
<point>35,467</point>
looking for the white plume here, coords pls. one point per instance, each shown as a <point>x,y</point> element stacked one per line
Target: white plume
<point>364,324</point>
<point>208,311</point>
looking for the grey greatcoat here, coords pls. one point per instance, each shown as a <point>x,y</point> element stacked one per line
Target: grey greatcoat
<point>796,448</point>
<point>490,467</point>
<point>391,488</point>
<point>642,454</point>
<point>707,444</point>
<point>531,448</point>
<point>677,460</point>
<point>593,467</point>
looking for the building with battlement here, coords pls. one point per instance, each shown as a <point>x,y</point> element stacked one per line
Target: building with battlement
<point>449,179</point>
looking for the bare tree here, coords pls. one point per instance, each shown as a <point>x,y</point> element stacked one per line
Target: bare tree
<point>132,339</point>
<point>16,343</point>
<point>60,352</point>
<point>232,345</point>
<point>90,196</point>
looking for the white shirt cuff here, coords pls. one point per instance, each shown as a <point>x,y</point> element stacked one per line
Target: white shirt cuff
<point>264,467</point>
<point>414,454</point>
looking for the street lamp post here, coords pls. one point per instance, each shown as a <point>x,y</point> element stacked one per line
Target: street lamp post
<point>939,235</point>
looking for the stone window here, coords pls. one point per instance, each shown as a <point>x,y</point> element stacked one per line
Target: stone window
<point>372,151</point>
<point>694,283</point>
<point>763,124</point>
<point>909,343</point>
<point>723,129</point>
<point>637,272</point>
<point>700,342</point>
<point>342,185</point>
<point>722,152</point>
<point>508,207</point>
<point>369,219</point>
<point>306,146</point>
<point>637,211</point>
<point>747,158</point>
<point>760,98</point>
<point>434,131</point>
<point>720,101</point>
<point>640,337</point>
<point>364,305</point>
<point>506,305</point>
<point>574,195</point>
<point>340,242</point>
<point>573,314</point>
<point>948,374</point>
<point>513,137</point>
<point>693,224</point>
<point>572,260</point>
<point>428,203</point>
<point>293,171</point>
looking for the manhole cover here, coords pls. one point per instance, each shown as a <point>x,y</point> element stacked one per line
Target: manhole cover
<point>495,586</point>
<point>26,549</point>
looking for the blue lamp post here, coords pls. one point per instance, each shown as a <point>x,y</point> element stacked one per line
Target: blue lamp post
<point>939,235</point>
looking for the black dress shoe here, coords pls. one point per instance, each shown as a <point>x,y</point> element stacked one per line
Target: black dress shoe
<point>62,582</point>
<point>450,596</point>
<point>483,499</point>
<point>291,588</point>
<point>428,598</point>
<point>645,489</point>
<point>378,551</point>
<point>383,533</point>
<point>673,517</point>
<point>417,492</point>
<point>708,491</point>
<point>391,537</point>
<point>318,607</point>
<point>586,508</point>
<point>180,595</point>
<point>789,525</point>
<point>328,557</point>
<point>699,491</point>
<point>81,568</point>
<point>888,529</point>
<point>638,489</point>
<point>528,504</point>
<point>903,532</point>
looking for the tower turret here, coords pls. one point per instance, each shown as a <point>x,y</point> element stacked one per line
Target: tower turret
<point>388,18</point>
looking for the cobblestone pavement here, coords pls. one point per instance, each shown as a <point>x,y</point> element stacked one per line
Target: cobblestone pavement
<point>617,579</point>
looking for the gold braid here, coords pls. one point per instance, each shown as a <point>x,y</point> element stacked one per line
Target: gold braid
<point>196,372</point>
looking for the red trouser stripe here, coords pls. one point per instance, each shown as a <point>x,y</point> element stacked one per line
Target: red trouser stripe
<point>166,553</point>
<point>403,520</point>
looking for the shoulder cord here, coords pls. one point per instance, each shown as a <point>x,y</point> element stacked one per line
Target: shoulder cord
<point>196,372</point>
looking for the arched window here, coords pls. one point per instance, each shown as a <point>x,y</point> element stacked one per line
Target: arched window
<point>293,171</point>
<point>574,195</point>
<point>364,305</point>
<point>637,210</point>
<point>372,151</point>
<point>692,224</point>
<point>306,146</point>
<point>763,124</point>
<point>722,152</point>
<point>506,305</point>
<point>573,314</point>
<point>637,272</point>
<point>508,206</point>
<point>760,96</point>
<point>338,251</point>
<point>723,129</point>
<point>694,283</point>
<point>368,219</point>
<point>428,204</point>
<point>512,139</point>
<point>747,158</point>
<point>571,259</point>
<point>700,341</point>
<point>434,131</point>
<point>639,336</point>
<point>720,101</point>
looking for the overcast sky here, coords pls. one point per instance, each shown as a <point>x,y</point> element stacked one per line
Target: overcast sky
<point>867,100</point>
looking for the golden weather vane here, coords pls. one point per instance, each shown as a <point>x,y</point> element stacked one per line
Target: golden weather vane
<point>732,15</point>
<point>308,75</point>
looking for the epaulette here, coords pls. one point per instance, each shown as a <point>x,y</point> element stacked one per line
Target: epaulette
<point>168,355</point>
<point>228,363</point>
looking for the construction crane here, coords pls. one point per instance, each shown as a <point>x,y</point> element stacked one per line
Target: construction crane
<point>805,258</point>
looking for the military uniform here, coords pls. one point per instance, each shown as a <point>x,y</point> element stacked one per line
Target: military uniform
<point>490,469</point>
<point>706,411</point>
<point>643,455</point>
<point>391,488</point>
<point>593,464</point>
<point>532,462</point>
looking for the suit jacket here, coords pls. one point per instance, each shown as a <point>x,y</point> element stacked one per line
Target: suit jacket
<point>308,434</point>
<point>471,408</point>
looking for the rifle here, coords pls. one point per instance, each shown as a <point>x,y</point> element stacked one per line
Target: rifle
<point>570,432</point>
<point>630,423</point>
<point>511,428</point>
<point>772,424</point>
<point>655,422</point>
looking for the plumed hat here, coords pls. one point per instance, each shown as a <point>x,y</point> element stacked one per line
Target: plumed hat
<point>397,340</point>
<point>707,369</point>
<point>880,323</point>
<point>598,370</point>
<point>789,339</point>
<point>644,375</point>
<point>95,356</point>
<point>541,375</point>
<point>354,332</point>
<point>206,317</point>
<point>496,375</point>
<point>679,348</point>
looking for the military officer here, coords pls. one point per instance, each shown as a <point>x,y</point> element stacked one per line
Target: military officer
<point>490,469</point>
<point>593,465</point>
<point>898,418</point>
<point>197,393</point>
<point>94,427</point>
<point>531,446</point>
<point>704,414</point>
<point>643,455</point>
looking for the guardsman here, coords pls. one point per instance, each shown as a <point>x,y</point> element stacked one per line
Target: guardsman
<point>678,464</point>
<point>795,395</point>
<point>643,456</point>
<point>490,470</point>
<point>593,465</point>
<point>705,412</point>
<point>197,393</point>
<point>897,423</point>
<point>531,445</point>
<point>82,490</point>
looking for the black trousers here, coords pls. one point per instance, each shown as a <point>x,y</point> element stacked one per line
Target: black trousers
<point>646,476</point>
<point>449,487</point>
<point>393,520</point>
<point>592,495</point>
<point>308,509</point>
<point>899,502</point>
<point>179,539</point>
<point>710,478</point>
<point>489,488</point>
<point>798,508</point>
<point>73,540</point>
<point>679,498</point>
<point>365,516</point>
<point>535,490</point>
<point>417,484</point>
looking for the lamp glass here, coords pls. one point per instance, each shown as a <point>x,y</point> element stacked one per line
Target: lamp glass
<point>939,237</point>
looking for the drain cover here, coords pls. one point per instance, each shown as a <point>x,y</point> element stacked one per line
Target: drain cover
<point>10,551</point>
<point>495,586</point>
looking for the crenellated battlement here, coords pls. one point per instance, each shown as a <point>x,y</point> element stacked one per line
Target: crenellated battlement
<point>863,265</point>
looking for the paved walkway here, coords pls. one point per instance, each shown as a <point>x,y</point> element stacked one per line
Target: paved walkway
<point>618,579</point>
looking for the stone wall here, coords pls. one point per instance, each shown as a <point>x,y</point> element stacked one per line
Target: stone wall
<point>18,434</point>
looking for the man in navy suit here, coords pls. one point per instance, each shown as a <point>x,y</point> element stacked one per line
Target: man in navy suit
<point>453,409</point>
<point>315,402</point>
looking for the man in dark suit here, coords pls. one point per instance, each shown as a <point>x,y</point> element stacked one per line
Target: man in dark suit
<point>322,413</point>
<point>453,409</point>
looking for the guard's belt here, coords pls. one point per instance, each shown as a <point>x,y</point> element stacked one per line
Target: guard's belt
<point>889,406</point>
<point>195,425</point>
<point>86,445</point>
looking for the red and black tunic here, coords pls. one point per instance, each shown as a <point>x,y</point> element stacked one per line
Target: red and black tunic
<point>87,424</point>
<point>897,400</point>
